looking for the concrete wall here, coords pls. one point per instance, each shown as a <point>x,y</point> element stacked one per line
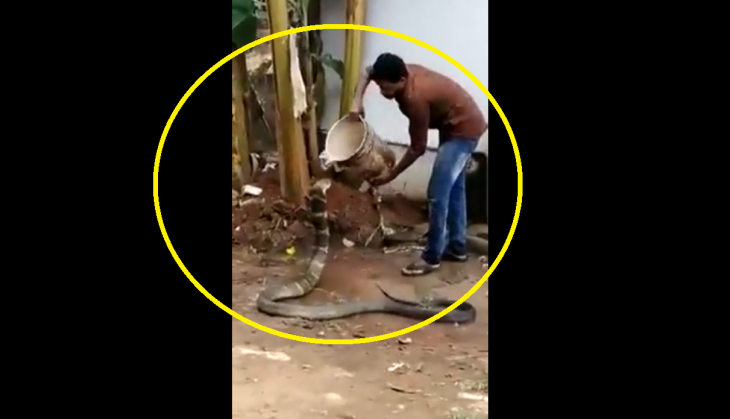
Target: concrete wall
<point>456,27</point>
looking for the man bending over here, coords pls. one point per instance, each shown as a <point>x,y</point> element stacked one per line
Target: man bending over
<point>431,101</point>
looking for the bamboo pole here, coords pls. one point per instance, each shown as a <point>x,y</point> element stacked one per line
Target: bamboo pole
<point>294,176</point>
<point>355,15</point>
<point>315,45</point>
<point>237,177</point>
<point>311,115</point>
<point>241,163</point>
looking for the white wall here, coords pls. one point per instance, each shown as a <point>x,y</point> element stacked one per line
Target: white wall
<point>456,27</point>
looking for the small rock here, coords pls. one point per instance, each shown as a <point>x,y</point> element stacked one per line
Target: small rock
<point>470,396</point>
<point>252,201</point>
<point>395,366</point>
<point>320,333</point>
<point>252,190</point>
<point>333,397</point>
<point>404,341</point>
<point>347,242</point>
<point>339,373</point>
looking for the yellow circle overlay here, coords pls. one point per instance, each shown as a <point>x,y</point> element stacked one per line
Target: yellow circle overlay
<point>336,341</point>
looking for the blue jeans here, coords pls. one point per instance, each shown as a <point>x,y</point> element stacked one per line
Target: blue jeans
<point>447,200</point>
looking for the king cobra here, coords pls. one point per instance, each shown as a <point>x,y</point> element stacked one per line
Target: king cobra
<point>269,301</point>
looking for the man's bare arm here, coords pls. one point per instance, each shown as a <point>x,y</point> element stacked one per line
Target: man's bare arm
<point>419,116</point>
<point>362,85</point>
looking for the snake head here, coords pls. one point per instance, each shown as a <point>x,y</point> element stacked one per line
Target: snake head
<point>322,185</point>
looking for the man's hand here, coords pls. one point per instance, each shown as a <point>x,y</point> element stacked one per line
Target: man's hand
<point>385,177</point>
<point>356,111</point>
<point>354,116</point>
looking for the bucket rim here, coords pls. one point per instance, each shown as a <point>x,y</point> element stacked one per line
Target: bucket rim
<point>362,139</point>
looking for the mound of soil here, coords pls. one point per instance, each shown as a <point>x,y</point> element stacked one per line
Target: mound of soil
<point>267,222</point>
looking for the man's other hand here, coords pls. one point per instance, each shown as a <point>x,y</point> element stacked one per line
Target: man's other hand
<point>385,177</point>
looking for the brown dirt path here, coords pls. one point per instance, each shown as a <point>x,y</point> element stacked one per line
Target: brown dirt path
<point>439,371</point>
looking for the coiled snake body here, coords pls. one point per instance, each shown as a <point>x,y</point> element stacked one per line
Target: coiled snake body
<point>270,300</point>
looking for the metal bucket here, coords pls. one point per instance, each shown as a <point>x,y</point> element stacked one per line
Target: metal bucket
<point>353,145</point>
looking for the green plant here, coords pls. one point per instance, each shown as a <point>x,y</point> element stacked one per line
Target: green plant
<point>246,16</point>
<point>299,16</point>
<point>245,21</point>
<point>334,63</point>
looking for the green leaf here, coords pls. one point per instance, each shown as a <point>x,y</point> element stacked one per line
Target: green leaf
<point>244,6</point>
<point>243,25</point>
<point>336,64</point>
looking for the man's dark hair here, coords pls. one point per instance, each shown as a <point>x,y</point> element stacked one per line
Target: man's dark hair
<point>389,67</point>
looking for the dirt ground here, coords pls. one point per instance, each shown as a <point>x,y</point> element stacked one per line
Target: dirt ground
<point>266,223</point>
<point>439,371</point>
<point>436,372</point>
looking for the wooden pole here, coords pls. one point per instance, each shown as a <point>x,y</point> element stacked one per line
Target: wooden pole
<point>315,46</point>
<point>311,115</point>
<point>355,15</point>
<point>294,176</point>
<point>241,163</point>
